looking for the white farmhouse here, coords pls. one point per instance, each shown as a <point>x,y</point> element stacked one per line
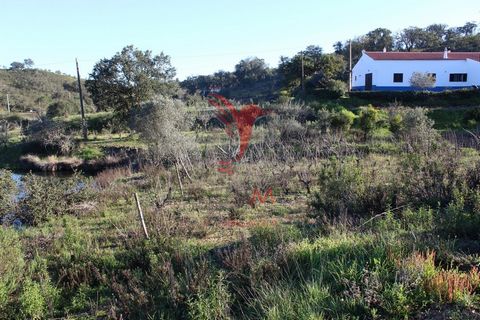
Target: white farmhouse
<point>392,71</point>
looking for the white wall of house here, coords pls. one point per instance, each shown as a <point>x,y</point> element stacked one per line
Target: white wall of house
<point>383,70</point>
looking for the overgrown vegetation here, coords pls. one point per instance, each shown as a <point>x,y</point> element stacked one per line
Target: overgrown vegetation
<point>367,215</point>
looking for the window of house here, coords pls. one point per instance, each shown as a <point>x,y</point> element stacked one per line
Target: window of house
<point>398,77</point>
<point>458,77</point>
<point>432,75</point>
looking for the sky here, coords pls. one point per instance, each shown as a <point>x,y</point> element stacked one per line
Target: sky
<point>202,37</point>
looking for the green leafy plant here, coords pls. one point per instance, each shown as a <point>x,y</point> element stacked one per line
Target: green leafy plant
<point>46,197</point>
<point>369,119</point>
<point>11,268</point>
<point>8,190</point>
<point>212,301</point>
<point>342,119</point>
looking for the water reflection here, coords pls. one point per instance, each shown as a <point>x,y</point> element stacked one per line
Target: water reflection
<point>18,178</point>
<point>20,186</point>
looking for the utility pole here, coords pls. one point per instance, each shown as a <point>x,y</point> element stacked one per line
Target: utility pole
<point>8,103</point>
<point>84,123</point>
<point>350,67</point>
<point>303,77</point>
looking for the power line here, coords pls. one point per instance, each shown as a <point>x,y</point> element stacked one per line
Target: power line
<point>201,55</point>
<point>233,53</point>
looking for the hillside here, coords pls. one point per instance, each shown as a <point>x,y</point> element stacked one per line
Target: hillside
<point>33,89</point>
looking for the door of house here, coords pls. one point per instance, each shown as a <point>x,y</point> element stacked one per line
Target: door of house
<point>368,82</point>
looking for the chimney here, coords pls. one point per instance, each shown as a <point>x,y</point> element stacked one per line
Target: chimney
<point>384,49</point>
<point>445,53</point>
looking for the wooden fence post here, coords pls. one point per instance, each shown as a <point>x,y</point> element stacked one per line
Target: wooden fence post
<point>140,213</point>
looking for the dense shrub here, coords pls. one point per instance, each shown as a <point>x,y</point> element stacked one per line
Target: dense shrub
<point>103,121</point>
<point>46,197</point>
<point>429,180</point>
<point>461,218</point>
<point>414,129</point>
<point>285,130</point>
<point>369,118</point>
<point>51,134</point>
<point>336,89</point>
<point>8,190</point>
<point>61,109</point>
<point>342,119</point>
<point>4,133</point>
<point>36,89</point>
<point>25,285</point>
<point>32,300</point>
<point>360,187</point>
<point>336,117</point>
<point>347,188</point>
<point>424,98</point>
<point>11,267</point>
<point>472,117</point>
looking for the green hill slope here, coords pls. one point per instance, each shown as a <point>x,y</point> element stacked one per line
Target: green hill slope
<point>33,89</point>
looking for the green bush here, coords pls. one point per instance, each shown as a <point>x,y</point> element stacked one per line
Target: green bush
<point>342,119</point>
<point>333,89</point>
<point>414,129</point>
<point>32,300</point>
<point>61,109</point>
<point>360,187</point>
<point>161,123</point>
<point>461,218</point>
<point>46,197</point>
<point>11,266</point>
<point>51,135</point>
<point>421,219</point>
<point>8,191</point>
<point>396,302</point>
<point>369,118</point>
<point>425,98</point>
<point>395,122</point>
<point>429,180</point>
<point>38,298</point>
<point>472,117</point>
<point>345,187</point>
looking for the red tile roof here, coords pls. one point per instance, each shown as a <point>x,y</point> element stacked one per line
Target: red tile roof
<point>380,55</point>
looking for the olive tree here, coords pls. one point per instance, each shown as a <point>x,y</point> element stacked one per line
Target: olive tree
<point>162,123</point>
<point>129,78</point>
